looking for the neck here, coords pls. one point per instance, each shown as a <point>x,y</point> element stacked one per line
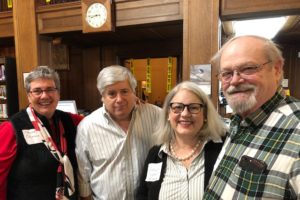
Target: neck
<point>185,142</point>
<point>183,151</point>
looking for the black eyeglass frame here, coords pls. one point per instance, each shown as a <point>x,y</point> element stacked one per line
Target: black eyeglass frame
<point>188,106</point>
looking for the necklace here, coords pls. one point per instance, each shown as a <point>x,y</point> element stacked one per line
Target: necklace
<point>193,152</point>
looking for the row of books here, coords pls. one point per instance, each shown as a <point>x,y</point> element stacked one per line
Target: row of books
<point>2,74</point>
<point>3,111</point>
<point>2,92</point>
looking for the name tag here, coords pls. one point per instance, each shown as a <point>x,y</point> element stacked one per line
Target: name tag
<point>32,136</point>
<point>153,173</point>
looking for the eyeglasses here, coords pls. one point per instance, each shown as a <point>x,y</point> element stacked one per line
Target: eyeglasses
<point>243,71</point>
<point>37,92</point>
<point>193,108</point>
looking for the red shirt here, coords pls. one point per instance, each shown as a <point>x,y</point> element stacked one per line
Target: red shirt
<point>8,151</point>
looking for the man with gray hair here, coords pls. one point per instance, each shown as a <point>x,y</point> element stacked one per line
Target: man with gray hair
<point>261,155</point>
<point>113,141</point>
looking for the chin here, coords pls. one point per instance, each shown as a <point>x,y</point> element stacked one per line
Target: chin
<point>242,106</point>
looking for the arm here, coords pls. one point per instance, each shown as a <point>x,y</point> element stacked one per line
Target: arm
<point>8,151</point>
<point>294,179</point>
<point>84,165</point>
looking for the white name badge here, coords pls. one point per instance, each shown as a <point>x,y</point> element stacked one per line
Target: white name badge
<point>153,173</point>
<point>32,136</point>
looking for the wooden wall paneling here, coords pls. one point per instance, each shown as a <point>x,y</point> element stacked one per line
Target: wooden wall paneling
<point>59,17</point>
<point>45,50</point>
<point>150,49</point>
<point>200,37</point>
<point>145,11</point>
<point>67,16</point>
<point>6,24</point>
<point>26,42</point>
<point>72,80</point>
<point>292,68</point>
<point>238,9</point>
<point>8,52</point>
<point>91,69</point>
<point>108,56</point>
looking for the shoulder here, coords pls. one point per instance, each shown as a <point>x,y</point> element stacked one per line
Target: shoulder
<point>155,149</point>
<point>292,107</point>
<point>67,117</point>
<point>214,146</point>
<point>5,129</point>
<point>288,109</point>
<point>148,108</point>
<point>7,135</point>
<point>22,115</point>
<point>153,154</point>
<point>76,118</point>
<point>92,119</point>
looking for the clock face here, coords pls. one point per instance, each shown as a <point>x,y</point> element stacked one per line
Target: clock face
<point>96,15</point>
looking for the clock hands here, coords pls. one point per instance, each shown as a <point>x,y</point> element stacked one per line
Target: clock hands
<point>92,16</point>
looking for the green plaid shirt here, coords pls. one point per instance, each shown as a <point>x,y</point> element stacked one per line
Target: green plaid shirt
<point>270,138</point>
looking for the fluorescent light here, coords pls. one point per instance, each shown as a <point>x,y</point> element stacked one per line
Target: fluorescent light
<point>267,27</point>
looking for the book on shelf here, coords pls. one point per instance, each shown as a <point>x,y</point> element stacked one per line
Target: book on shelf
<point>2,92</point>
<point>2,74</point>
<point>3,111</point>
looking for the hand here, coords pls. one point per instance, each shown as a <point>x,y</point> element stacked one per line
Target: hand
<point>86,198</point>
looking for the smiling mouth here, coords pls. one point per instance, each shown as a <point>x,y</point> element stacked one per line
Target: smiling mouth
<point>45,104</point>
<point>185,122</point>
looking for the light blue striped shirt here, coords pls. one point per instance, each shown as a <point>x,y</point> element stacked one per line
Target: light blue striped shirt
<point>110,160</point>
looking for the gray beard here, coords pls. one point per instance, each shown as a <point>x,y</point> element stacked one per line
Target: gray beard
<point>239,106</point>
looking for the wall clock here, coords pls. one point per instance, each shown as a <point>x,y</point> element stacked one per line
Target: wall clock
<point>97,15</point>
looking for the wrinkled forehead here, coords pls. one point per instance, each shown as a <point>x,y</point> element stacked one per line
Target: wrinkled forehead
<point>241,51</point>
<point>117,86</point>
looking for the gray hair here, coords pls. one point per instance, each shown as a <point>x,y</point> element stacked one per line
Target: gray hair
<point>212,129</point>
<point>271,50</point>
<point>42,72</point>
<point>113,74</point>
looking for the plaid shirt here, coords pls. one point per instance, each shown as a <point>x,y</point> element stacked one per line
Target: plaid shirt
<point>261,155</point>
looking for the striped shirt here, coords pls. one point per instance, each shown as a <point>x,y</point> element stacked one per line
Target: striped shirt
<point>180,183</point>
<point>109,160</point>
<point>270,138</point>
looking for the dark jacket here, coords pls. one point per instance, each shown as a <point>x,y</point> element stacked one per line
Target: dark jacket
<point>150,190</point>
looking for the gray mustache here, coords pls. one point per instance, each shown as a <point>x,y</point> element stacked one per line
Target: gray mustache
<point>240,88</point>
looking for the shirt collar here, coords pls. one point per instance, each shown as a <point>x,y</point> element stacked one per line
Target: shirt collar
<point>260,115</point>
<point>165,148</point>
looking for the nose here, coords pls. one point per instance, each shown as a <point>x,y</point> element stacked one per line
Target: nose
<point>44,94</point>
<point>185,111</point>
<point>236,78</point>
<point>119,96</point>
